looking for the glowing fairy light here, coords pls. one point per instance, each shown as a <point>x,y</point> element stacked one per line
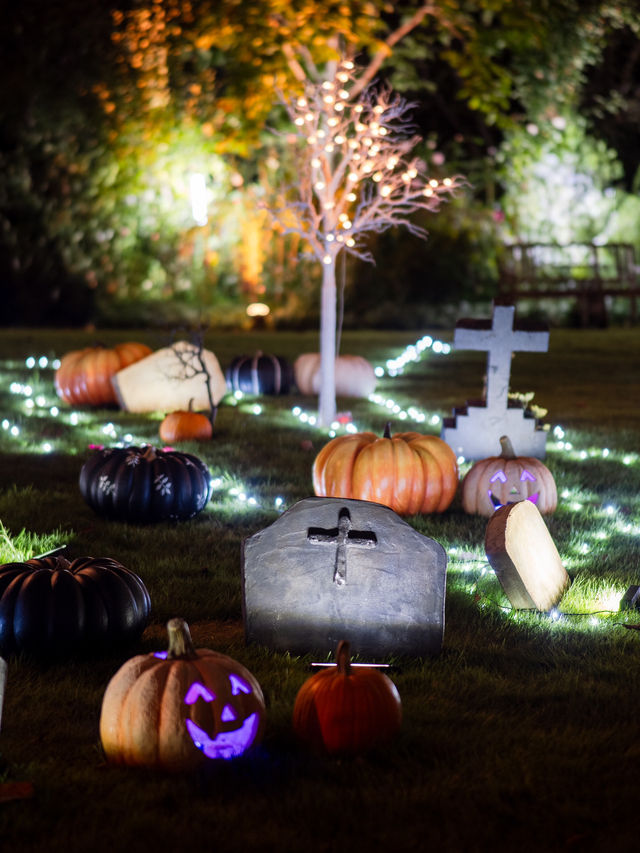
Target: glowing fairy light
<point>30,362</point>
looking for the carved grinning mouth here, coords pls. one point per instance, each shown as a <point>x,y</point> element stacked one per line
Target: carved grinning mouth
<point>227,744</point>
<point>498,503</point>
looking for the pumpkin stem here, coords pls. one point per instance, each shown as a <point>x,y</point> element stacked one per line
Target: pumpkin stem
<point>507,448</point>
<point>387,430</point>
<point>180,642</point>
<point>150,452</point>
<point>343,657</point>
<point>191,404</point>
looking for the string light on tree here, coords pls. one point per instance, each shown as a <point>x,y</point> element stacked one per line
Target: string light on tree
<point>356,176</point>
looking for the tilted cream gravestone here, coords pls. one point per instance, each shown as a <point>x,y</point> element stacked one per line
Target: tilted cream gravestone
<point>475,429</point>
<point>524,557</point>
<point>169,379</point>
<point>332,569</point>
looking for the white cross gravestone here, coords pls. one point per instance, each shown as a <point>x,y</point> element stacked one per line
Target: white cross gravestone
<point>332,569</point>
<point>475,429</point>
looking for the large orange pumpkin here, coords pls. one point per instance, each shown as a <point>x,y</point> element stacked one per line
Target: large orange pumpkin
<point>174,709</point>
<point>407,471</point>
<point>506,479</point>
<point>342,709</point>
<point>84,376</point>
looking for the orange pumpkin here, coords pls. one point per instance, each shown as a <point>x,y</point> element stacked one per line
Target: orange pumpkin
<point>346,710</point>
<point>84,376</point>
<point>506,479</point>
<point>408,472</point>
<point>185,425</point>
<point>174,709</point>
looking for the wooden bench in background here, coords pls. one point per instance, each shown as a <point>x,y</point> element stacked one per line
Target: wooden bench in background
<point>587,272</point>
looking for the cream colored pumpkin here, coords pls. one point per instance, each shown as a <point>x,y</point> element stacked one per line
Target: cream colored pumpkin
<point>355,376</point>
<point>506,479</point>
<point>172,710</point>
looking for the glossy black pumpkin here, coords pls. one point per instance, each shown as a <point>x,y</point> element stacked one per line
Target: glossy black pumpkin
<point>260,373</point>
<point>145,484</point>
<point>52,607</point>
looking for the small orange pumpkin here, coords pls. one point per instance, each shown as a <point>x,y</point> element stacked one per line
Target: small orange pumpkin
<point>346,710</point>
<point>84,376</point>
<point>505,479</point>
<point>185,425</point>
<point>174,709</point>
<point>408,471</point>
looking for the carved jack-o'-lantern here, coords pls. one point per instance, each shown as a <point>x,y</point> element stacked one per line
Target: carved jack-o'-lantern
<point>506,479</point>
<point>170,709</point>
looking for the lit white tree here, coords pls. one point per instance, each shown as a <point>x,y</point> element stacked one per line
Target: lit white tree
<point>356,176</point>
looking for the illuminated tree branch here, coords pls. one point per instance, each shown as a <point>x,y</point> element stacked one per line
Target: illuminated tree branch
<point>356,175</point>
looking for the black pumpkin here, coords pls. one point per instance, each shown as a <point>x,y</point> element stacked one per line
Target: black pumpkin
<point>144,484</point>
<point>52,607</point>
<point>260,373</point>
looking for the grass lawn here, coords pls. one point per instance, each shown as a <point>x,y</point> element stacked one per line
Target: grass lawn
<point>522,735</point>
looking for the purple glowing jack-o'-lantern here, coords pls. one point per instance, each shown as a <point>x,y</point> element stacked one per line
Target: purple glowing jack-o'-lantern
<point>506,479</point>
<point>203,705</point>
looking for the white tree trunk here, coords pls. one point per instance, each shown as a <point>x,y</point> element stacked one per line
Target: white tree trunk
<point>327,398</point>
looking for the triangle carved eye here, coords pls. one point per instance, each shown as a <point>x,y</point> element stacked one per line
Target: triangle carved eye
<point>500,475</point>
<point>238,685</point>
<point>527,476</point>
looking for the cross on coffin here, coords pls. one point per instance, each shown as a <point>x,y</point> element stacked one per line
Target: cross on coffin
<point>343,536</point>
<point>475,429</point>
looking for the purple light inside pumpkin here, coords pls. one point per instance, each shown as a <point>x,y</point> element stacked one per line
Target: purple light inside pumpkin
<point>238,685</point>
<point>196,691</point>
<point>500,475</point>
<point>161,655</point>
<point>225,744</point>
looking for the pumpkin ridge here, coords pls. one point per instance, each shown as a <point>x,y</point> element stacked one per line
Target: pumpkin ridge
<point>138,731</point>
<point>171,747</point>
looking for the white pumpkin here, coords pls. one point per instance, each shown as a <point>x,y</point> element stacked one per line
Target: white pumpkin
<point>355,376</point>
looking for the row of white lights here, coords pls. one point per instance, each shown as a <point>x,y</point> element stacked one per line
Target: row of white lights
<point>393,367</point>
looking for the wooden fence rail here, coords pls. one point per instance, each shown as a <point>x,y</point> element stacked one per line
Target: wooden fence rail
<point>588,272</point>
